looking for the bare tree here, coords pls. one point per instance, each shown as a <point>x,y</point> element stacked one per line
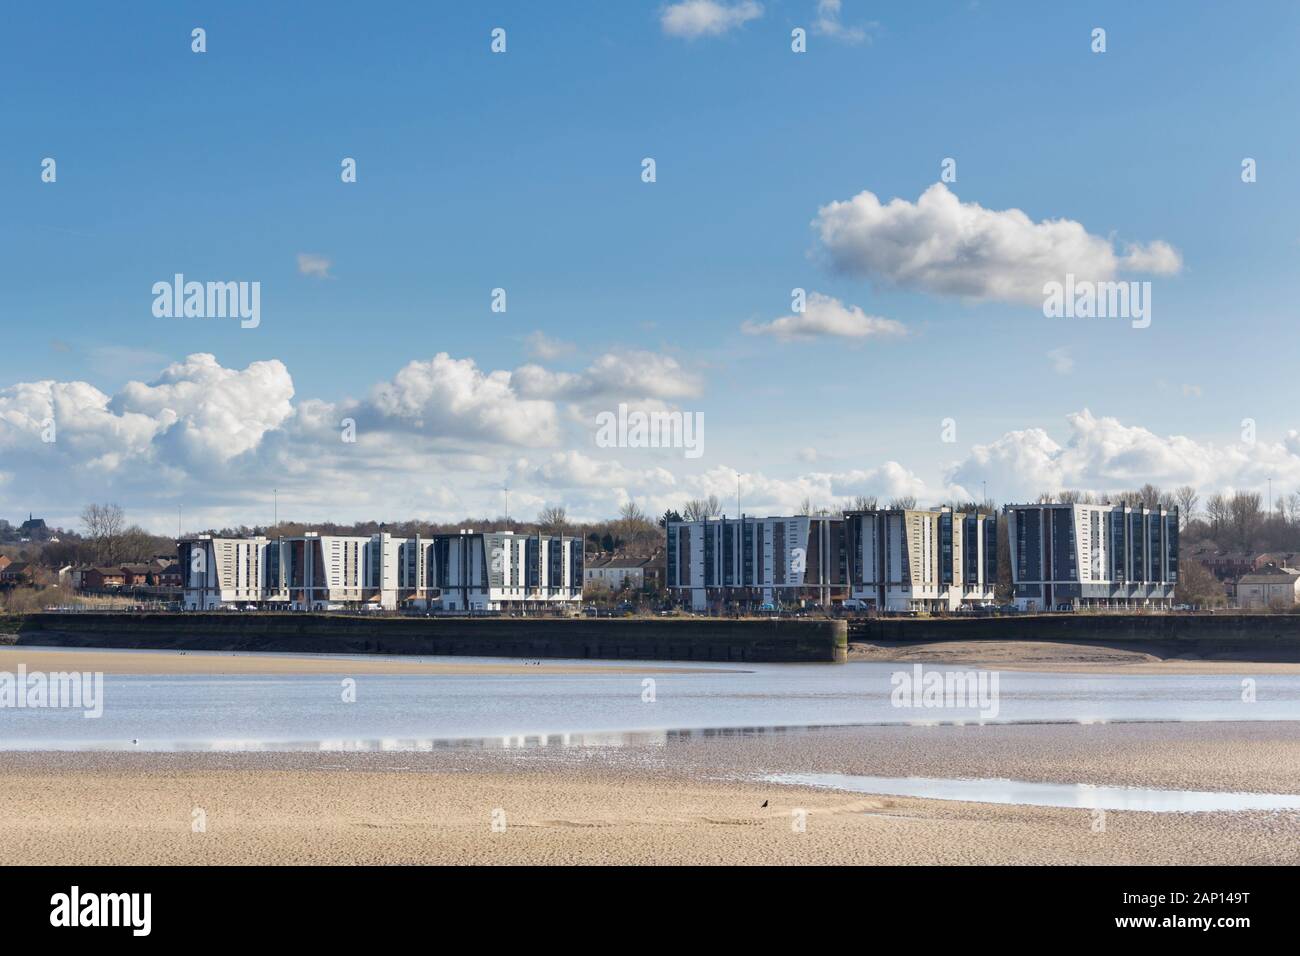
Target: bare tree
<point>103,524</point>
<point>1149,496</point>
<point>1293,507</point>
<point>860,503</point>
<point>698,509</point>
<point>635,526</point>
<point>903,503</point>
<point>1218,511</point>
<point>1187,499</point>
<point>1246,515</point>
<point>553,519</point>
<point>1131,498</point>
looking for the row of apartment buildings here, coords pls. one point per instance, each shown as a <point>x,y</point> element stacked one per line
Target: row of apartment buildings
<point>891,559</point>
<point>469,571</point>
<point>1062,556</point>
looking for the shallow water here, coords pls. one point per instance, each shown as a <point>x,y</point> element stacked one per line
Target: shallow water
<point>308,712</point>
<point>1023,792</point>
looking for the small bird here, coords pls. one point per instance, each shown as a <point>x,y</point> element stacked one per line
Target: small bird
<point>764,804</point>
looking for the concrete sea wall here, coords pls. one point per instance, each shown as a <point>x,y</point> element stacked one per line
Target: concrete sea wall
<point>693,639</point>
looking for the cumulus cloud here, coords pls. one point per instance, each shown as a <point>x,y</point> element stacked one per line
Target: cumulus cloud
<point>195,414</point>
<point>692,19</point>
<point>318,267</point>
<point>575,470</point>
<point>432,441</point>
<point>827,317</point>
<point>439,437</point>
<point>942,245</point>
<point>207,413</point>
<point>1102,454</point>
<point>604,484</point>
<point>614,376</point>
<point>454,397</point>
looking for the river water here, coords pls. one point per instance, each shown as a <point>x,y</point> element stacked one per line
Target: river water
<point>313,712</point>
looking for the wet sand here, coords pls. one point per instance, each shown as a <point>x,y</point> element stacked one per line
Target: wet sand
<point>1005,655</point>
<point>693,798</point>
<point>216,663</point>
<point>1059,658</point>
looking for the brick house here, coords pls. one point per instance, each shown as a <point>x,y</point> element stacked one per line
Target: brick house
<point>168,577</point>
<point>136,575</point>
<point>103,578</point>
<point>16,573</point>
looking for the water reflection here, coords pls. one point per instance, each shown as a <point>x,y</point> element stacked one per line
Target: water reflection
<point>1080,795</point>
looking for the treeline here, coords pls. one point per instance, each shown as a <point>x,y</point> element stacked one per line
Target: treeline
<point>105,540</point>
<point>632,531</point>
<point>1234,521</point>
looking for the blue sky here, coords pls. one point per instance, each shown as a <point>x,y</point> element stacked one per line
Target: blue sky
<point>522,170</point>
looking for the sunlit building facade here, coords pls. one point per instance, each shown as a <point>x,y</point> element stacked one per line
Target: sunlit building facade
<point>469,571</point>
<point>748,562</point>
<point>922,560</point>
<point>1072,555</point>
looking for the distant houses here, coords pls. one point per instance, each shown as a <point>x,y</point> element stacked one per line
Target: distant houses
<point>1272,587</point>
<point>620,573</point>
<point>143,575</point>
<point>14,573</point>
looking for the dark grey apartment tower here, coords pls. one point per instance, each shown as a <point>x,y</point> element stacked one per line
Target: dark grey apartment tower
<point>1081,554</point>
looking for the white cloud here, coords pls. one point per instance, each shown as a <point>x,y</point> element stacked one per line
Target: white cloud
<point>598,486</point>
<point>433,441</point>
<point>1157,258</point>
<point>614,376</point>
<point>576,470</point>
<point>313,265</point>
<point>825,316</point>
<point>546,348</point>
<point>1103,455</point>
<point>698,18</point>
<point>438,439</point>
<point>942,245</point>
<point>829,24</point>
<point>447,396</point>
<point>206,413</point>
